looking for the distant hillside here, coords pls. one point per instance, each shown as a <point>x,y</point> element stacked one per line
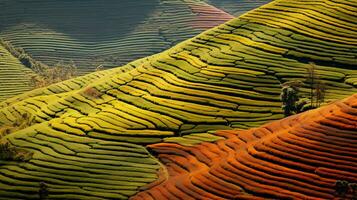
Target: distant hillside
<point>300,157</point>
<point>95,32</point>
<point>236,7</point>
<point>14,77</point>
<point>88,134</point>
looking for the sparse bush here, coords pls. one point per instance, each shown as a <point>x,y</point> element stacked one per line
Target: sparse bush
<point>50,75</point>
<point>45,75</point>
<point>22,122</point>
<point>290,97</point>
<point>5,130</point>
<point>302,105</point>
<point>11,153</point>
<point>92,92</point>
<point>343,188</point>
<point>320,91</point>
<point>317,87</point>
<point>23,57</point>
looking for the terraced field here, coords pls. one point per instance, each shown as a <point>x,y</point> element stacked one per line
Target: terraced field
<point>94,33</point>
<point>88,134</point>
<point>236,7</point>
<point>111,33</point>
<point>10,71</point>
<point>299,157</point>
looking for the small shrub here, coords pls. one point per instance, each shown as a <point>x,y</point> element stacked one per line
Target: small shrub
<point>92,92</point>
<point>23,121</point>
<point>5,130</point>
<point>343,188</point>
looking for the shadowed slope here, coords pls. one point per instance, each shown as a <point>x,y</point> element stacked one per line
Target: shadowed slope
<point>299,157</point>
<point>236,7</point>
<point>10,71</point>
<point>94,32</point>
<point>88,133</point>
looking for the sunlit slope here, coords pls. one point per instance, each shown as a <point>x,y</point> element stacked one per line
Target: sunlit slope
<point>300,157</point>
<point>91,33</point>
<point>228,77</point>
<point>11,70</point>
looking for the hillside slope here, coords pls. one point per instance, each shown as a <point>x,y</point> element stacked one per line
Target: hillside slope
<point>236,7</point>
<point>88,134</point>
<point>10,71</point>
<point>95,34</point>
<point>111,33</point>
<point>300,157</point>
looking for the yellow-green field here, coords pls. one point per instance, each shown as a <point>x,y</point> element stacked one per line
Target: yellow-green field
<point>88,133</point>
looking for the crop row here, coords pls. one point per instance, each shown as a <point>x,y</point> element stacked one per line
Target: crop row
<point>283,159</point>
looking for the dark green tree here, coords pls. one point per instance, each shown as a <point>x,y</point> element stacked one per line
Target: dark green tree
<point>289,97</point>
<point>341,187</point>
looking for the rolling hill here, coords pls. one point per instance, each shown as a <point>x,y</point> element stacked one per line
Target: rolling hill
<point>93,33</point>
<point>300,157</point>
<point>111,33</point>
<point>87,136</point>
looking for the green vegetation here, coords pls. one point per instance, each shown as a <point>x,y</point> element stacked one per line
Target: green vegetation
<point>317,87</point>
<point>289,97</point>
<point>293,102</point>
<point>89,134</point>
<point>43,75</point>
<point>344,188</point>
<point>10,71</point>
<point>11,153</point>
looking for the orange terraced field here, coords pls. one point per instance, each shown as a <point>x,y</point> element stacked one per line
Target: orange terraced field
<point>299,157</point>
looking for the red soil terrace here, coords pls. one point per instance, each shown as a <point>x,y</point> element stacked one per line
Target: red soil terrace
<point>299,157</point>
